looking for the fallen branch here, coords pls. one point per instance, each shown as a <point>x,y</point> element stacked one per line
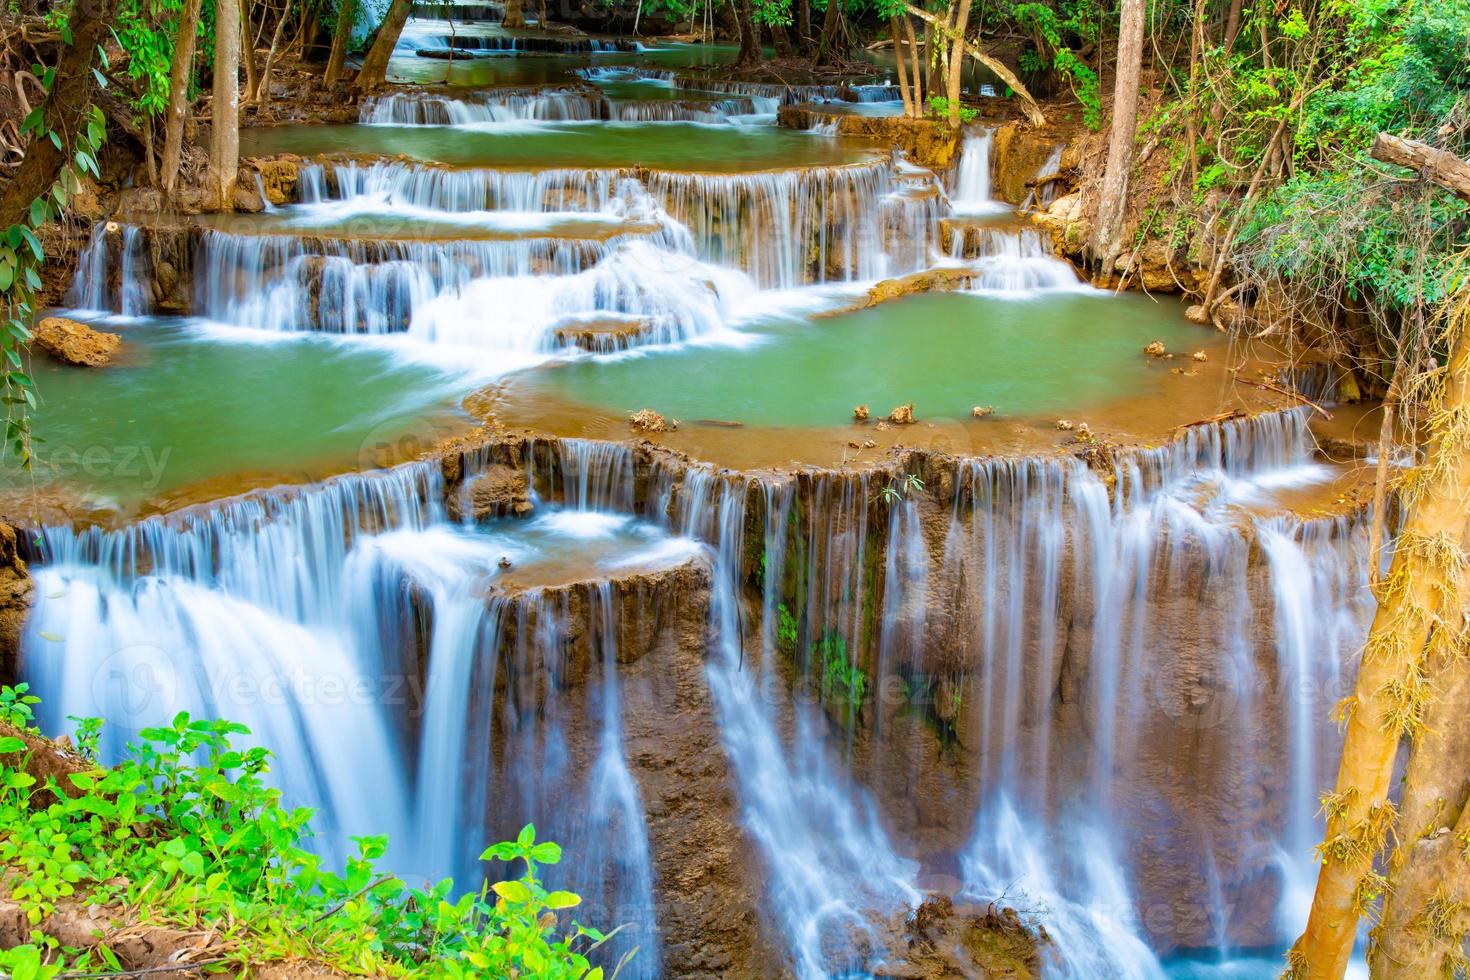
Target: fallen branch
<point>1433,164</point>
<point>1234,413</point>
<point>1272,386</point>
<point>1033,111</point>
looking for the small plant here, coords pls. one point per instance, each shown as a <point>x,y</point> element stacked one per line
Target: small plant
<point>900,487</point>
<point>786,631</point>
<point>15,706</point>
<point>939,108</point>
<point>842,680</point>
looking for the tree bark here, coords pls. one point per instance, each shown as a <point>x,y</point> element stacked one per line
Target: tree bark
<point>830,48</point>
<point>224,143</point>
<point>1440,166</point>
<point>750,42</point>
<point>957,61</point>
<point>1107,234</point>
<point>899,68</point>
<point>247,49</point>
<point>1033,110</point>
<point>374,71</point>
<point>1232,25</point>
<point>915,57</point>
<point>804,21</point>
<point>181,75</point>
<point>342,36</point>
<point>66,107</point>
<point>515,14</point>
<point>1390,696</point>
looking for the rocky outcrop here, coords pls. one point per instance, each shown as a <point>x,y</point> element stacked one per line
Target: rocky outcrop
<point>74,343</point>
<point>941,279</point>
<point>496,491</point>
<point>1018,151</point>
<point>926,142</point>
<point>17,591</point>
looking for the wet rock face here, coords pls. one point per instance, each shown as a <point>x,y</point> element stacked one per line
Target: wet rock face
<point>1017,153</point>
<point>75,343</point>
<point>498,491</point>
<point>16,593</point>
<point>926,142</point>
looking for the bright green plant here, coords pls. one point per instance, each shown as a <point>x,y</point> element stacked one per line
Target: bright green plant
<point>186,830</point>
<point>939,108</point>
<point>842,680</point>
<point>900,487</point>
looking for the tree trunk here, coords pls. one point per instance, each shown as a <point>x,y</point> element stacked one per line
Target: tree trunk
<point>1033,111</point>
<point>515,14</point>
<point>247,50</point>
<point>181,75</point>
<point>915,56</point>
<point>750,39</point>
<point>804,21</point>
<point>263,93</point>
<point>374,71</point>
<point>1232,25</point>
<point>1440,166</point>
<point>342,36</point>
<point>1107,235</point>
<point>66,106</point>
<point>831,47</point>
<point>1424,918</point>
<point>1419,595</point>
<point>957,62</point>
<point>224,143</point>
<point>899,68</point>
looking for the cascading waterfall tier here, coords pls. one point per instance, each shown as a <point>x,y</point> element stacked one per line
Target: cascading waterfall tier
<point>547,104</point>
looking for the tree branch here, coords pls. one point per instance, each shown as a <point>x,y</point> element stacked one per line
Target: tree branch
<point>1433,164</point>
<point>1033,111</point>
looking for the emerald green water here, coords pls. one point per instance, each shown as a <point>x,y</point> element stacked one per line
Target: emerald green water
<point>1060,353</point>
<point>664,146</point>
<point>180,406</point>
<point>534,69</point>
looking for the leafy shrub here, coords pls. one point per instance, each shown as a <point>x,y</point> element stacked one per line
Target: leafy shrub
<point>186,830</point>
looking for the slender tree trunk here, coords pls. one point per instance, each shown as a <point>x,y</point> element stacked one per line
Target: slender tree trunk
<point>515,14</point>
<point>224,148</point>
<point>1033,110</point>
<point>915,57</point>
<point>181,76</point>
<point>780,40</point>
<point>831,47</point>
<point>374,71</point>
<point>1107,240</point>
<point>804,21</point>
<point>1232,25</point>
<point>66,107</point>
<point>342,36</point>
<point>263,94</point>
<point>1420,596</point>
<point>957,61</point>
<point>247,50</point>
<point>310,24</point>
<point>900,68</point>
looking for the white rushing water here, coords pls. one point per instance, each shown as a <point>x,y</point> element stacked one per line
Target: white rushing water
<point>1127,674</point>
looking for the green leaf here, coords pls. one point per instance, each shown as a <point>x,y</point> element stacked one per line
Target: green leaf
<point>527,836</point>
<point>512,891</point>
<point>12,744</point>
<point>563,900</point>
<point>546,852</point>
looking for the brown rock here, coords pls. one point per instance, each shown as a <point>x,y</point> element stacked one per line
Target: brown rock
<point>75,343</point>
<point>1156,349</point>
<point>1066,425</point>
<point>1197,314</point>
<point>902,415</point>
<point>1199,355</point>
<point>498,491</point>
<point>860,414</point>
<point>982,411</point>
<point>16,595</point>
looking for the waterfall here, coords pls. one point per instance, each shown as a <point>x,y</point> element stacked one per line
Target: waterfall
<point>95,287</point>
<point>549,105</point>
<point>971,194</point>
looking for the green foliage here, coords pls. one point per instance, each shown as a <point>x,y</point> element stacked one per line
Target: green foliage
<point>939,107</point>
<point>186,830</point>
<point>786,630</point>
<point>1054,29</point>
<point>148,31</point>
<point>21,254</point>
<point>842,680</point>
